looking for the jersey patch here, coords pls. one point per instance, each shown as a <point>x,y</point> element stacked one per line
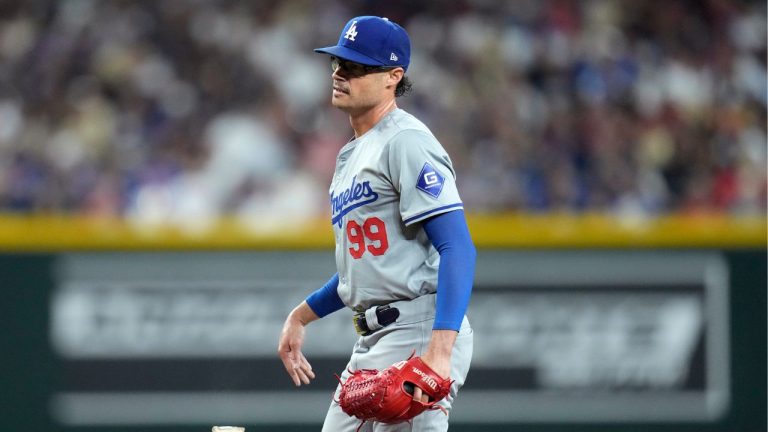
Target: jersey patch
<point>430,181</point>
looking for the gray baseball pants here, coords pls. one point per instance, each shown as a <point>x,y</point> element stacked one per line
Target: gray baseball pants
<point>412,331</point>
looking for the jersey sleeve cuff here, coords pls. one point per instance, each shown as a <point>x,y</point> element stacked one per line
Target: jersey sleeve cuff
<point>432,212</point>
<point>447,325</point>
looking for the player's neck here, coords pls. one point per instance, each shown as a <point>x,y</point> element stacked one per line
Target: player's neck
<point>364,121</point>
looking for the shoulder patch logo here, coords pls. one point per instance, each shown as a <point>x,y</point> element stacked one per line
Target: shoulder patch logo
<point>430,181</point>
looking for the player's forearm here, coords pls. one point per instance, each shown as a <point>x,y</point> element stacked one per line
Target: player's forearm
<point>438,354</point>
<point>303,314</point>
<point>441,343</point>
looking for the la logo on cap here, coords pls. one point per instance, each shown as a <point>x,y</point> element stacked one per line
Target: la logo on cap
<point>352,32</point>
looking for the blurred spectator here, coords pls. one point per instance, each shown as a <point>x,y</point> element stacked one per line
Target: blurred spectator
<point>183,111</point>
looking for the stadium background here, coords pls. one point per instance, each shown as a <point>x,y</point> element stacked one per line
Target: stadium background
<point>163,162</point>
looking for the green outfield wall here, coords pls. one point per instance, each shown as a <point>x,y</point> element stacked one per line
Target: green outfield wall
<point>644,326</point>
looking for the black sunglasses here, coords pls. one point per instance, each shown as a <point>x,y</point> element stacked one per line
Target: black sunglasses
<point>356,69</point>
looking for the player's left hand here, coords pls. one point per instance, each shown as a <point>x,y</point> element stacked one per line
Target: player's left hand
<point>437,357</point>
<point>441,365</point>
<point>386,396</point>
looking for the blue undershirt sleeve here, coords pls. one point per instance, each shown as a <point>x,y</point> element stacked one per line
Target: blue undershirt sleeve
<point>326,300</point>
<point>449,234</point>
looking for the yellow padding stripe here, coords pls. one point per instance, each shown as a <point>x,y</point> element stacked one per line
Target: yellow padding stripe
<point>512,230</point>
<point>609,231</point>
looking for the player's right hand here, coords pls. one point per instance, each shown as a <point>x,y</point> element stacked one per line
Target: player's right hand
<point>289,350</point>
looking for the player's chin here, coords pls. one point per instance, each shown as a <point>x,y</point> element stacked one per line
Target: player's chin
<point>339,101</point>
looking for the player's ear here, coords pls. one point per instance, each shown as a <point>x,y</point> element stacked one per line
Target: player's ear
<point>394,76</point>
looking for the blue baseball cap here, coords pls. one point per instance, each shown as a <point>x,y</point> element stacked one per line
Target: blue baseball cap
<point>372,41</point>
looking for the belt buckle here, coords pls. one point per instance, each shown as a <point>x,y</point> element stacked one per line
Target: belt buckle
<point>385,315</point>
<point>361,327</point>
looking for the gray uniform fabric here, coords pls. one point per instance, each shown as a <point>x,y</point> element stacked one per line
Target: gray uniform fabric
<point>396,342</point>
<point>386,181</point>
<point>382,175</point>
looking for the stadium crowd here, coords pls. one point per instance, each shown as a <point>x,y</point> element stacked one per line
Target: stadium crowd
<point>175,110</point>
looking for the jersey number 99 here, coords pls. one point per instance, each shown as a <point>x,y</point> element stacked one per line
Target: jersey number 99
<point>374,231</point>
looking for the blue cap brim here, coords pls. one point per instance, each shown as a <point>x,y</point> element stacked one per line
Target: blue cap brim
<point>349,54</point>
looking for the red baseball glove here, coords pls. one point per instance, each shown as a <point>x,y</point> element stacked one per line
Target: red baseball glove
<point>387,396</point>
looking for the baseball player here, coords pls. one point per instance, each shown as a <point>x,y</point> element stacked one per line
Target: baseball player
<point>404,255</point>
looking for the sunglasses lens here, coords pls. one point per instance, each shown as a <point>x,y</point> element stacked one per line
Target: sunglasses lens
<point>351,68</point>
<point>355,69</point>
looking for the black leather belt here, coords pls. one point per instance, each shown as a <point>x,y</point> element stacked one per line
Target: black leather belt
<point>373,319</point>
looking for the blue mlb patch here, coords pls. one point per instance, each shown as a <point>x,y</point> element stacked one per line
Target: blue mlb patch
<point>430,181</point>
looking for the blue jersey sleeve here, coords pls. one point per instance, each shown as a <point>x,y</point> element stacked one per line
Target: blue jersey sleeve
<point>326,300</point>
<point>449,234</point>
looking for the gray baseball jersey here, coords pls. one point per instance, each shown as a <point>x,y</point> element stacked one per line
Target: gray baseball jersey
<point>387,180</point>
